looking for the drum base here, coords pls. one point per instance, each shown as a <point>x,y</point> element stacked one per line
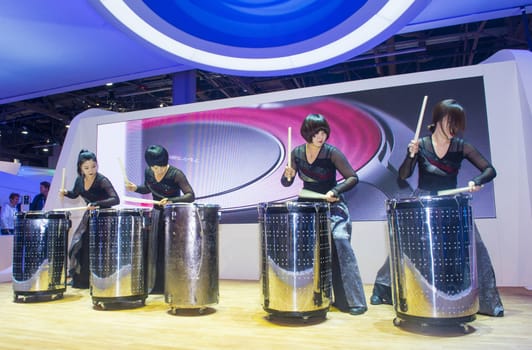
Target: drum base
<point>433,321</point>
<point>128,302</point>
<point>295,314</point>
<point>38,296</point>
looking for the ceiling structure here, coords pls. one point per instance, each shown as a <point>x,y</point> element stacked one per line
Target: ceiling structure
<point>34,116</point>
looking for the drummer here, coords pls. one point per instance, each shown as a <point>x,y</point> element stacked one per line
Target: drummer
<point>98,192</point>
<point>316,162</point>
<point>439,157</point>
<point>166,183</point>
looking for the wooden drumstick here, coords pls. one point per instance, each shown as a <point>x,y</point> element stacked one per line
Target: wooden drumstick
<point>289,150</point>
<point>420,121</point>
<point>63,179</point>
<point>74,208</point>
<point>454,191</point>
<point>140,200</point>
<point>123,168</point>
<point>311,194</point>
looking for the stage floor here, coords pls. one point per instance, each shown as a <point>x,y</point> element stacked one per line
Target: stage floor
<point>239,322</point>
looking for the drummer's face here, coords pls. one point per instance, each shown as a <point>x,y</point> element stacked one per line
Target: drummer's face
<point>89,168</point>
<point>446,128</point>
<point>319,138</point>
<point>159,170</point>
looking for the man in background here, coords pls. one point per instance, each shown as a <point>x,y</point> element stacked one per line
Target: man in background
<point>7,218</point>
<point>40,199</point>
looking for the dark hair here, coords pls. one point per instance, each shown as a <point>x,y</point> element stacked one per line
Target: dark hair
<point>85,155</point>
<point>312,124</point>
<point>45,184</point>
<point>455,115</point>
<point>13,195</point>
<point>156,155</point>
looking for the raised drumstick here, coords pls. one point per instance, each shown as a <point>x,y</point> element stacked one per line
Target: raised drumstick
<point>420,120</point>
<point>123,168</point>
<point>63,179</point>
<point>289,149</point>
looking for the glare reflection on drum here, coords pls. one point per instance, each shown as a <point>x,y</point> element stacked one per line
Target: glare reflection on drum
<point>296,258</point>
<point>39,254</point>
<point>433,261</point>
<point>118,254</point>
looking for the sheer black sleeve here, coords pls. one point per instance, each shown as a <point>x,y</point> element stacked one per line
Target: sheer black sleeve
<point>181,181</point>
<point>348,173</point>
<point>112,196</point>
<point>488,172</point>
<point>284,180</point>
<point>407,167</point>
<point>76,190</point>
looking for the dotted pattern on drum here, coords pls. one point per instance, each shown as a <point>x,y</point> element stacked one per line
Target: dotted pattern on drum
<point>39,250</point>
<point>443,256</point>
<point>117,251</point>
<point>296,259</point>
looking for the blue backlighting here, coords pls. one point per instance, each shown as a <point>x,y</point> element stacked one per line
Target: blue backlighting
<point>255,23</point>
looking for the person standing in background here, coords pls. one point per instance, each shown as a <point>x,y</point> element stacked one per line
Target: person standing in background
<point>7,218</point>
<point>40,199</point>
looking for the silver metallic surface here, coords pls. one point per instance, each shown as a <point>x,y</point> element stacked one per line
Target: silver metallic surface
<point>433,259</point>
<point>191,255</point>
<point>118,251</point>
<point>296,258</point>
<point>39,251</point>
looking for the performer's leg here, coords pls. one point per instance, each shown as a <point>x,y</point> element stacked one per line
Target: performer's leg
<point>489,299</point>
<point>382,291</point>
<point>347,283</point>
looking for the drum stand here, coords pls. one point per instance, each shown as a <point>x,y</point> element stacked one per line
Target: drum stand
<point>38,296</point>
<point>462,322</point>
<point>128,302</point>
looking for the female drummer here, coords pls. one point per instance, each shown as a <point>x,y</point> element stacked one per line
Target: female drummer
<point>98,192</point>
<point>439,157</point>
<point>166,183</point>
<point>316,163</point>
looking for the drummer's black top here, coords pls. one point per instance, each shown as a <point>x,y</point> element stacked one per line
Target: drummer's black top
<point>101,194</point>
<point>171,185</point>
<point>320,176</point>
<point>436,173</point>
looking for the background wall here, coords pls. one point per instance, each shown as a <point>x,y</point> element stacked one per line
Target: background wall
<point>507,236</point>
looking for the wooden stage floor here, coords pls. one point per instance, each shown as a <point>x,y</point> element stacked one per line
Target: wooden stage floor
<point>239,322</point>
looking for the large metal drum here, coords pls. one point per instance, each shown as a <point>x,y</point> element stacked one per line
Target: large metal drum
<point>191,255</point>
<point>118,254</point>
<point>296,258</point>
<point>433,259</point>
<point>39,254</point>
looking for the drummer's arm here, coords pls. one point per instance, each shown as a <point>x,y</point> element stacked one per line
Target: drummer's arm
<point>488,172</point>
<point>188,193</point>
<point>407,168</point>
<point>112,196</point>
<point>347,171</point>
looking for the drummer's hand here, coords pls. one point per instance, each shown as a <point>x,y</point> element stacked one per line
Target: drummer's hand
<point>413,148</point>
<point>330,197</point>
<point>92,206</point>
<point>131,187</point>
<point>164,201</point>
<point>62,192</point>
<point>289,173</point>
<point>473,187</point>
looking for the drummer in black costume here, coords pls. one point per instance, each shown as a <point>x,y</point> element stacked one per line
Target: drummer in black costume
<point>439,157</point>
<point>166,183</point>
<point>316,163</point>
<point>98,192</point>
